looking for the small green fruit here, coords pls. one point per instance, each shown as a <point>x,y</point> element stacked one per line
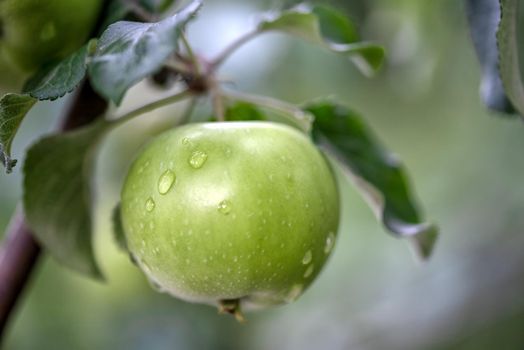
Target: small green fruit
<point>235,213</point>
<point>35,32</point>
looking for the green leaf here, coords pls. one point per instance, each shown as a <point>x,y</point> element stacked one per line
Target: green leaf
<point>483,19</point>
<point>56,80</point>
<point>328,28</point>
<point>507,40</point>
<point>58,195</point>
<point>13,109</point>
<point>243,106</point>
<point>243,111</point>
<point>379,176</point>
<point>128,52</point>
<point>118,228</point>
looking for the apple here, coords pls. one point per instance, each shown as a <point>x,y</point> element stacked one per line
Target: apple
<point>35,32</point>
<point>231,213</point>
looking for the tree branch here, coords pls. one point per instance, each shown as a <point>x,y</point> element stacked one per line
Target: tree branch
<point>19,252</point>
<point>18,257</point>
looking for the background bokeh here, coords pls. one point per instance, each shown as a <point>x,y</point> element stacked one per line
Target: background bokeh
<point>466,165</point>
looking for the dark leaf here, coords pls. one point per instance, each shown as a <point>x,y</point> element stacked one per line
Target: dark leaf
<point>328,28</point>
<point>128,52</point>
<point>56,80</point>
<point>243,111</point>
<point>484,18</point>
<point>379,176</point>
<point>118,228</point>
<point>58,195</point>
<point>507,40</point>
<point>13,109</point>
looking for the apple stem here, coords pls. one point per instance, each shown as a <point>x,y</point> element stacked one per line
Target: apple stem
<point>232,307</point>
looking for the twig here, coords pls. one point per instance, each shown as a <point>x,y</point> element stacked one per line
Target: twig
<point>18,257</point>
<point>224,55</point>
<point>152,106</point>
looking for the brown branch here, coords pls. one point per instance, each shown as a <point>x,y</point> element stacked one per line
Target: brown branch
<point>18,256</point>
<point>19,252</point>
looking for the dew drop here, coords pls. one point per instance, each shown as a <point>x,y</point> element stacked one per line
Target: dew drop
<point>166,181</point>
<point>197,159</point>
<point>309,271</point>
<point>145,266</point>
<point>186,141</point>
<point>307,257</point>
<point>330,242</point>
<point>157,287</point>
<point>224,207</point>
<point>150,204</point>
<point>294,292</point>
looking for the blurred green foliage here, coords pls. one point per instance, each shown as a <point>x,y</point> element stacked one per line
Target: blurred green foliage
<point>466,165</point>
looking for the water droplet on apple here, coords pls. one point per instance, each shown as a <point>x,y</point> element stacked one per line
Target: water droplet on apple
<point>330,242</point>
<point>150,204</point>
<point>166,181</point>
<point>309,271</point>
<point>145,266</point>
<point>156,286</point>
<point>294,293</point>
<point>224,207</point>
<point>307,257</point>
<point>197,159</point>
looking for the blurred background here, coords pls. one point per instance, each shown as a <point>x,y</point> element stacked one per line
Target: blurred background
<point>466,165</point>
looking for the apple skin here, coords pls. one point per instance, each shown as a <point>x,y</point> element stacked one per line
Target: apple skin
<point>241,211</point>
<point>35,32</point>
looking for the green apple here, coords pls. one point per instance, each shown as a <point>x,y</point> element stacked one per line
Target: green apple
<point>232,213</point>
<point>35,32</point>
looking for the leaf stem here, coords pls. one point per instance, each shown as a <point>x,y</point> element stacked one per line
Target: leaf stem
<point>235,45</point>
<point>151,107</point>
<point>191,53</point>
<point>217,99</point>
<point>187,113</point>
